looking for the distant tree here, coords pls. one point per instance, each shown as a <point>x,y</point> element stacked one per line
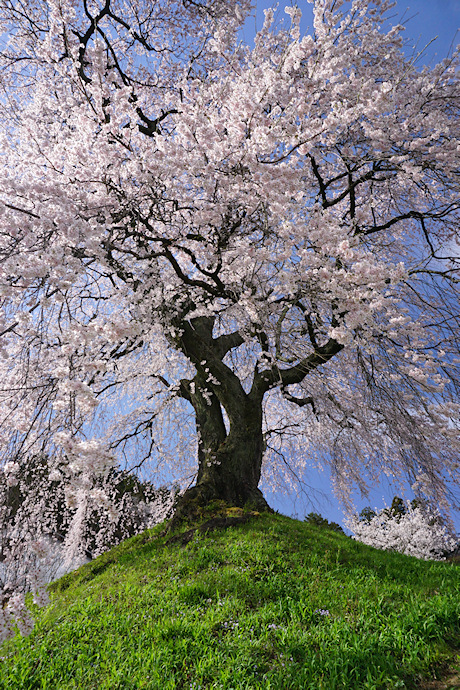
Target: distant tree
<point>320,521</point>
<point>397,508</point>
<point>410,528</point>
<point>367,514</point>
<point>223,258</point>
<point>39,516</point>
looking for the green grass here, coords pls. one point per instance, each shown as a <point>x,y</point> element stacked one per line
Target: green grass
<point>240,608</point>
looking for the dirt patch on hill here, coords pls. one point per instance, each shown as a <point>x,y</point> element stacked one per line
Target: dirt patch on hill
<point>449,680</point>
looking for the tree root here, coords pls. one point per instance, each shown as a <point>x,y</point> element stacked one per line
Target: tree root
<point>202,502</point>
<point>214,523</point>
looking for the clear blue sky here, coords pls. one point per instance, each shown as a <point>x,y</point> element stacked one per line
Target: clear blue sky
<point>424,20</point>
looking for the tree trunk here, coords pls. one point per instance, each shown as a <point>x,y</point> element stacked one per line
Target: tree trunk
<point>229,464</point>
<point>233,469</point>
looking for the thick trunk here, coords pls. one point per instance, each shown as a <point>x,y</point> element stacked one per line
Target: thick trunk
<point>233,468</point>
<point>229,464</point>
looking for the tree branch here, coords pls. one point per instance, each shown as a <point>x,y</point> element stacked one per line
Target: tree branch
<point>270,377</point>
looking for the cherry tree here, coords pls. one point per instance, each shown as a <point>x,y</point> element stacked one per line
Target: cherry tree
<point>407,528</point>
<point>40,533</point>
<point>228,260</point>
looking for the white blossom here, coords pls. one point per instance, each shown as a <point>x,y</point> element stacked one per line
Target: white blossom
<point>417,532</point>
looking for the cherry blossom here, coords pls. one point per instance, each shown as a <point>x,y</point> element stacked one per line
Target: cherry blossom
<point>416,532</point>
<point>227,262</point>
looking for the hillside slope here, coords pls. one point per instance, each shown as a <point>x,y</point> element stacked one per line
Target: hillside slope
<point>260,602</point>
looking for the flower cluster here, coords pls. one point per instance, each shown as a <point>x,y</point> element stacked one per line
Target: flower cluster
<point>43,535</point>
<point>414,532</point>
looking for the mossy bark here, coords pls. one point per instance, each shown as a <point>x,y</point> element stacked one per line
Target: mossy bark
<point>229,457</point>
<point>230,449</point>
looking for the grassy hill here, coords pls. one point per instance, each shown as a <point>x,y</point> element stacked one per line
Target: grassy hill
<point>245,602</point>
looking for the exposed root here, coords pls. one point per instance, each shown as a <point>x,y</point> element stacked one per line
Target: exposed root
<point>200,502</point>
<point>215,523</point>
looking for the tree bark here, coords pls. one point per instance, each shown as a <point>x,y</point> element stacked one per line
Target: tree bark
<point>229,462</point>
<point>233,467</point>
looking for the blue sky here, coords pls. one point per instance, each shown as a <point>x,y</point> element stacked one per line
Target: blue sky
<point>427,19</point>
<point>424,21</point>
